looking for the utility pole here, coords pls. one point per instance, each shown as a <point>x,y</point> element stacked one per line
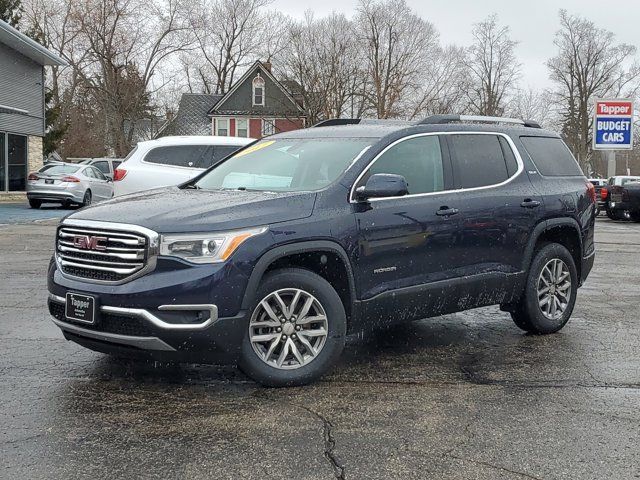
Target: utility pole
<point>611,163</point>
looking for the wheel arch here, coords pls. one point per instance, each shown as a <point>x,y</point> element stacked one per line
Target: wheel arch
<point>308,255</point>
<point>565,231</point>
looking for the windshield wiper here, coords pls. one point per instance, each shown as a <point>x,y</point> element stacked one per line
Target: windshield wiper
<point>193,186</point>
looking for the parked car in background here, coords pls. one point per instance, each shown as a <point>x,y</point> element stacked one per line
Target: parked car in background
<point>68,183</point>
<point>171,161</point>
<point>614,206</point>
<point>271,257</point>
<point>106,165</point>
<point>598,183</point>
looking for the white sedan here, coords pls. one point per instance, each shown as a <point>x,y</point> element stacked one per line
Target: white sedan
<point>171,161</point>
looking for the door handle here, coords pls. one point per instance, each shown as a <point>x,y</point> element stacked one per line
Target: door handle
<point>446,211</point>
<point>528,203</point>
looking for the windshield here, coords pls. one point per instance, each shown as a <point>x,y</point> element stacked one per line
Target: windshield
<point>62,169</point>
<point>286,165</point>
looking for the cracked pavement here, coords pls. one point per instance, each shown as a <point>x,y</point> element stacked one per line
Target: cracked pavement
<point>465,396</point>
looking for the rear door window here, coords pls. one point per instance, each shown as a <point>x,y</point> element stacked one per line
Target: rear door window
<point>418,160</point>
<point>194,156</point>
<point>551,156</point>
<point>479,160</point>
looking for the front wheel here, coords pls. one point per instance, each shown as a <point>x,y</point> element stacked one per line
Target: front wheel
<point>295,330</point>
<point>550,291</point>
<point>635,216</point>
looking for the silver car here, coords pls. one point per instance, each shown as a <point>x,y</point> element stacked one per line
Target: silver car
<point>68,184</point>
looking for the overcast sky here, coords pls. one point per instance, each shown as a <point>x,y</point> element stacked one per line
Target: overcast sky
<point>532,23</point>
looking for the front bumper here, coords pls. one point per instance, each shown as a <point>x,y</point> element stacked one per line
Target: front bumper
<point>175,313</point>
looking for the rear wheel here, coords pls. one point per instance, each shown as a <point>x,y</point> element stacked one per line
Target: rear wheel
<point>550,291</point>
<point>295,330</point>
<point>614,214</point>
<point>86,200</point>
<point>35,203</point>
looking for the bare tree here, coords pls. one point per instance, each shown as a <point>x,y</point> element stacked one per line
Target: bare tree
<point>589,64</point>
<point>229,35</point>
<point>319,57</point>
<point>443,83</point>
<point>531,104</point>
<point>492,66</point>
<point>395,45</point>
<point>114,49</point>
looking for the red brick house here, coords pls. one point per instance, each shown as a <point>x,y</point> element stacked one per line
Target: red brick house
<point>257,105</point>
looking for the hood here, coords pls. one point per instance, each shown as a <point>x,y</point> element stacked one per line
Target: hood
<point>172,210</point>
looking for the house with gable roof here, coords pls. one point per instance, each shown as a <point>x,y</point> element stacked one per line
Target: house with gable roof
<point>257,105</point>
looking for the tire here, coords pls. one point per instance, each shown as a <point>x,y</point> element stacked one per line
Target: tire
<point>635,216</point>
<point>613,214</point>
<point>528,314</point>
<point>259,360</point>
<point>597,212</point>
<point>86,200</point>
<point>35,203</point>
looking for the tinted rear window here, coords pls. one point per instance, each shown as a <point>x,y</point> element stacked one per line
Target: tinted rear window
<point>179,155</point>
<point>479,160</point>
<point>551,156</point>
<point>62,169</point>
<point>195,156</point>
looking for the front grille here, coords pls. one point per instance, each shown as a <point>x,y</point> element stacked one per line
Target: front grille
<point>101,254</point>
<point>106,322</point>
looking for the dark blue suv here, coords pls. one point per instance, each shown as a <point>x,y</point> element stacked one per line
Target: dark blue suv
<point>271,257</point>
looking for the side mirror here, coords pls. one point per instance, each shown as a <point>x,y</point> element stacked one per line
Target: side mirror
<point>109,178</point>
<point>382,185</point>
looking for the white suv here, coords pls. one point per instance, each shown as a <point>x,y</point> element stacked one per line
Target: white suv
<point>171,161</point>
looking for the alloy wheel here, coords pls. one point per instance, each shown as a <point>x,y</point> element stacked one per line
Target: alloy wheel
<point>554,289</point>
<point>288,328</point>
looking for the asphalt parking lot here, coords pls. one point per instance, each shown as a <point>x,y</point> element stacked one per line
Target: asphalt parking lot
<point>11,213</point>
<point>463,396</point>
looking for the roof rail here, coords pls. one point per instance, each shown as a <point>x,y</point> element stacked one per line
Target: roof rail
<point>440,119</point>
<point>333,122</point>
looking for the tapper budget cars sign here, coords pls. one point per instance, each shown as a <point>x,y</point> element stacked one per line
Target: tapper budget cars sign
<point>613,125</point>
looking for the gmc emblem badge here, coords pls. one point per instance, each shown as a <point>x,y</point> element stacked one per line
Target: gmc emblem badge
<point>87,242</point>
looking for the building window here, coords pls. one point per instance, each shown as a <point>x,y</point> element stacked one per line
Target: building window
<point>222,127</point>
<point>13,162</point>
<point>258,90</point>
<point>242,127</point>
<point>268,127</point>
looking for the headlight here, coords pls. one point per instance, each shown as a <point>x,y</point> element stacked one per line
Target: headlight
<point>205,247</point>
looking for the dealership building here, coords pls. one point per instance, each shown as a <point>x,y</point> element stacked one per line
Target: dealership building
<point>22,107</point>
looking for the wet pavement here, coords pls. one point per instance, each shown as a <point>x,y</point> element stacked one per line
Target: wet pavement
<point>11,213</point>
<point>466,396</point>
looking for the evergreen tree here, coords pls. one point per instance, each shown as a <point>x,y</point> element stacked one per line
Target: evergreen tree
<point>11,11</point>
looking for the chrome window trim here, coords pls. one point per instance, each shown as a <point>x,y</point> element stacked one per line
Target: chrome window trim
<point>153,249</point>
<point>512,145</point>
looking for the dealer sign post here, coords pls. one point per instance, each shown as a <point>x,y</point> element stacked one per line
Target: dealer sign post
<point>613,129</point>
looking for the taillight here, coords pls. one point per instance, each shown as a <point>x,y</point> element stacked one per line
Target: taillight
<point>70,179</point>
<point>591,192</point>
<point>119,174</point>
<point>604,193</point>
<point>33,176</point>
